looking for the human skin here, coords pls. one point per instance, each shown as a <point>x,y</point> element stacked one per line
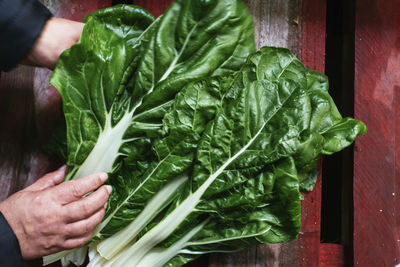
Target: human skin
<point>50,216</point>
<point>58,34</point>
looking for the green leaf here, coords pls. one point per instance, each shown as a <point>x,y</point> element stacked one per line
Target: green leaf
<point>207,144</point>
<point>245,183</point>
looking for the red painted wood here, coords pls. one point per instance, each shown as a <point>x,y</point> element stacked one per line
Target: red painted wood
<point>313,23</point>
<point>331,255</point>
<point>156,7</point>
<point>377,154</point>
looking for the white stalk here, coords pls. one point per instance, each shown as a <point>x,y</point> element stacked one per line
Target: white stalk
<point>132,255</point>
<point>56,256</point>
<point>109,247</point>
<point>157,257</point>
<point>77,257</point>
<point>104,153</point>
<point>95,260</point>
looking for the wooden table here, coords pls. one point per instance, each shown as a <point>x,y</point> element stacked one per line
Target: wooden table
<point>30,107</point>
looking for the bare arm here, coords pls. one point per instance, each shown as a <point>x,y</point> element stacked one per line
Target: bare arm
<point>57,35</point>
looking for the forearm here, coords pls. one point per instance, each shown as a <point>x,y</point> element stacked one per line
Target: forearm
<point>57,35</point>
<point>31,36</point>
<point>21,23</point>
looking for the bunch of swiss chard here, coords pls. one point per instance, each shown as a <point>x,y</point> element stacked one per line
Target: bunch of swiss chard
<point>207,142</point>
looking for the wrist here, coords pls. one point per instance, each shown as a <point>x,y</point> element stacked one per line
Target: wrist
<point>13,223</point>
<point>57,35</point>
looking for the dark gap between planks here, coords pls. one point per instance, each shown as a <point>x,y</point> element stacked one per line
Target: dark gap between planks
<point>116,2</point>
<point>337,172</point>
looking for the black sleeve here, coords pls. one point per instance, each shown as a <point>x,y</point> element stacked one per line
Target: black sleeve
<point>10,254</point>
<point>21,22</point>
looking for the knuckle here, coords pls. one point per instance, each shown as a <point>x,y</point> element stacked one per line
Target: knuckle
<point>75,190</point>
<point>98,179</point>
<point>38,201</point>
<point>85,208</point>
<point>87,228</point>
<point>104,194</point>
<point>65,214</point>
<point>50,243</point>
<point>101,215</point>
<point>68,232</point>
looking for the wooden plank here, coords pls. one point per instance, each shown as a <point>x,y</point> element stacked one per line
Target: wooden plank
<point>16,129</point>
<point>331,255</point>
<point>277,23</point>
<point>156,7</point>
<point>377,154</point>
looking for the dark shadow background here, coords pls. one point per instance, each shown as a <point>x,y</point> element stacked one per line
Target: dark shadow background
<point>337,181</point>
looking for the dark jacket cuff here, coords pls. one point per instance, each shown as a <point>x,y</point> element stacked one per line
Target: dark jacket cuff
<point>21,22</point>
<point>10,253</point>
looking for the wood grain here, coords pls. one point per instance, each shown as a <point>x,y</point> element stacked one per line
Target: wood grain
<point>377,154</point>
<point>156,7</point>
<point>331,255</point>
<point>277,23</point>
<point>17,131</point>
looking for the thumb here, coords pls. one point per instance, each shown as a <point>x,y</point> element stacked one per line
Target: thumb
<point>49,180</point>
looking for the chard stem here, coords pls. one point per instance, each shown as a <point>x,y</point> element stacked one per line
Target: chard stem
<point>109,247</point>
<point>157,257</point>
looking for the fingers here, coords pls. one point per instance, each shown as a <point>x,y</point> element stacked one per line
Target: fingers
<point>79,233</point>
<point>78,241</point>
<point>87,206</point>
<point>81,228</point>
<point>49,180</point>
<point>74,190</point>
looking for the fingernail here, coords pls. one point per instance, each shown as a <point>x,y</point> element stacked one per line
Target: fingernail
<point>105,205</point>
<point>63,168</point>
<point>103,176</point>
<point>109,188</point>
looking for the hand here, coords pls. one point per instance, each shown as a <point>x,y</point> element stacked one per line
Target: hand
<point>50,216</point>
<point>57,35</point>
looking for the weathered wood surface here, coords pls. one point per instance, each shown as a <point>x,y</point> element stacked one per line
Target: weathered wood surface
<point>377,154</point>
<point>331,255</point>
